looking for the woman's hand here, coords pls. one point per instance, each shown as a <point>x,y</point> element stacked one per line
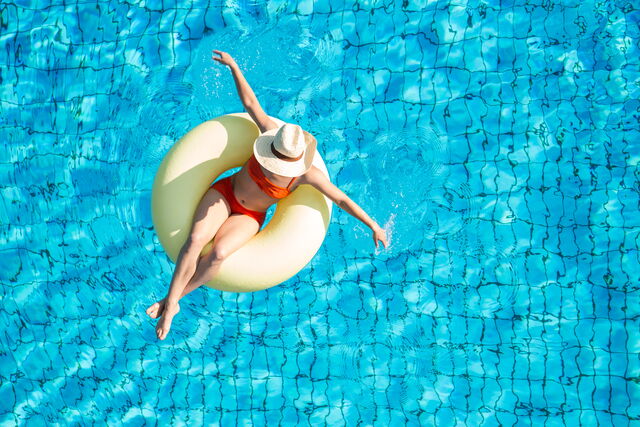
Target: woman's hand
<point>224,59</point>
<point>379,234</point>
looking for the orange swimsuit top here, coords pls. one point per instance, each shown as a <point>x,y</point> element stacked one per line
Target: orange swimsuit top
<point>263,182</point>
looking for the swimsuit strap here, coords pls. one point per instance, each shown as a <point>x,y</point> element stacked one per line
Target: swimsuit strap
<point>271,189</point>
<point>291,182</point>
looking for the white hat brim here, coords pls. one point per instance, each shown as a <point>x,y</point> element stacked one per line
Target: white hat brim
<point>264,155</point>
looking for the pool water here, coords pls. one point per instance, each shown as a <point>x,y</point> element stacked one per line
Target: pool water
<point>496,141</point>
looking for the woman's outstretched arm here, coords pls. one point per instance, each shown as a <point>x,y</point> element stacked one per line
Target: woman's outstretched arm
<point>246,94</point>
<point>316,178</point>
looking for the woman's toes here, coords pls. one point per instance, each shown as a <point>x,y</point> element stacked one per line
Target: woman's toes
<point>162,332</point>
<point>164,324</point>
<point>161,329</point>
<point>156,309</point>
<point>153,309</point>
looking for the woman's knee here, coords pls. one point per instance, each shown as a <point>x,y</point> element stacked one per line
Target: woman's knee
<point>218,254</point>
<point>197,240</point>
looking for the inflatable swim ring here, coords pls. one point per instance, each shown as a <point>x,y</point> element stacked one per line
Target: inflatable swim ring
<point>286,243</point>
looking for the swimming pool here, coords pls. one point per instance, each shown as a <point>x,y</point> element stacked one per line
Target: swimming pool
<point>496,140</point>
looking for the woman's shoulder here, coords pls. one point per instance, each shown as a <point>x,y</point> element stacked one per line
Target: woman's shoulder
<point>312,175</point>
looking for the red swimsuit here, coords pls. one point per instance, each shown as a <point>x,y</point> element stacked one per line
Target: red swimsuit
<point>225,187</point>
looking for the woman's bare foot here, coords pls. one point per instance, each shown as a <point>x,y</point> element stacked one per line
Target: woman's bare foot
<point>164,324</point>
<point>155,310</point>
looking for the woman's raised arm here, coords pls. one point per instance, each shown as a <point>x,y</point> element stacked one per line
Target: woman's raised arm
<point>248,98</point>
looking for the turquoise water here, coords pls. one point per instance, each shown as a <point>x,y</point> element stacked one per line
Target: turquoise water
<point>497,141</point>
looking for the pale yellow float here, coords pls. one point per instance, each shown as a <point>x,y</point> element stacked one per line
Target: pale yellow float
<point>280,250</point>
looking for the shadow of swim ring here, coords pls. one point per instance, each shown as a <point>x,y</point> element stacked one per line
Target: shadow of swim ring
<point>278,251</point>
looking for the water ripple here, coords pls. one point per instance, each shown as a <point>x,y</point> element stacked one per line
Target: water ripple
<point>401,167</point>
<point>450,207</point>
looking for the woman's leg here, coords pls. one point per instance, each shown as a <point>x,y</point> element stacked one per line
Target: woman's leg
<point>210,213</point>
<point>234,233</point>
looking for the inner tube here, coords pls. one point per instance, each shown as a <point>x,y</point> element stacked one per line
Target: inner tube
<point>276,253</point>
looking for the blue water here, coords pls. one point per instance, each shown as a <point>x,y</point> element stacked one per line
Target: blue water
<point>497,142</point>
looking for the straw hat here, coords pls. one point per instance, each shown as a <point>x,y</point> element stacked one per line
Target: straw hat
<point>287,150</point>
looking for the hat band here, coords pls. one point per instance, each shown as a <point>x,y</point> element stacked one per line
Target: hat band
<point>283,157</point>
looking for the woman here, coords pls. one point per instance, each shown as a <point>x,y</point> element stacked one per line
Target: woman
<point>233,209</point>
